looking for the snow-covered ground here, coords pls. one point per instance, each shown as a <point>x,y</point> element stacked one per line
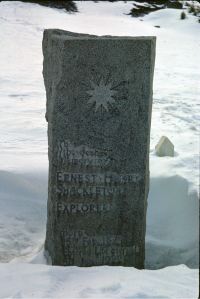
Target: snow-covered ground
<point>33,281</point>
<point>172,218</point>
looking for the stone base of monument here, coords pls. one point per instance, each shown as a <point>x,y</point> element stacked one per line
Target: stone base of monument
<point>99,99</point>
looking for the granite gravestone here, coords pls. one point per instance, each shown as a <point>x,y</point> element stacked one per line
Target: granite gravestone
<point>99,99</point>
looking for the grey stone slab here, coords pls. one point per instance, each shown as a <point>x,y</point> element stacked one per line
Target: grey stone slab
<point>99,99</point>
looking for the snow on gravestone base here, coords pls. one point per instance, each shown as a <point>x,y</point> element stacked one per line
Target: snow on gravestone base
<point>99,99</point>
<point>164,147</point>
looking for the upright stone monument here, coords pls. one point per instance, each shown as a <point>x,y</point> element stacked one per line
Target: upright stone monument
<point>99,99</point>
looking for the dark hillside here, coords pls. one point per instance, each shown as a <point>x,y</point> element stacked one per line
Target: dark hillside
<point>69,6</point>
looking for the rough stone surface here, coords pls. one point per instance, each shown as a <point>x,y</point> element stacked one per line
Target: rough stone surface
<point>99,98</point>
<point>164,147</point>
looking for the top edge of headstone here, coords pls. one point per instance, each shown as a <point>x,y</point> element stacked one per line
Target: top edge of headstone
<point>63,34</point>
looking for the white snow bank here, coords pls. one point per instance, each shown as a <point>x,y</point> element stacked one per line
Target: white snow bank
<point>172,223</point>
<point>22,214</point>
<point>39,281</point>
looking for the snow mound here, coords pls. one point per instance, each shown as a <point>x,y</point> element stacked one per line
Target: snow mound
<point>22,214</point>
<point>172,223</point>
<point>39,281</point>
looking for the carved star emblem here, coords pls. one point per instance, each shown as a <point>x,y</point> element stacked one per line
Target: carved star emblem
<point>102,95</point>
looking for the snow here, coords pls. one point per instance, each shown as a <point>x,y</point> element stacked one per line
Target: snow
<point>22,214</point>
<point>172,223</point>
<point>172,215</point>
<point>33,281</point>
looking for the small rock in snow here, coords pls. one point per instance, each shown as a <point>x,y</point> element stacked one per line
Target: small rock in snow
<point>164,147</point>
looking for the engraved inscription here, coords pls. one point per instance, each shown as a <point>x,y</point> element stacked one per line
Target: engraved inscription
<point>88,178</point>
<point>82,194</point>
<point>99,246</point>
<point>93,185</point>
<point>82,155</point>
<point>89,192</point>
<point>82,208</point>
